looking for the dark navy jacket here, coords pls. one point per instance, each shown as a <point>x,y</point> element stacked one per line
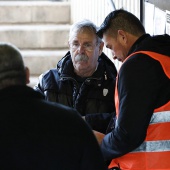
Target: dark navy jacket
<point>92,97</point>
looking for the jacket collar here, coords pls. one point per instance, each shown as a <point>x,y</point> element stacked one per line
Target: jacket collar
<point>137,43</point>
<point>105,67</point>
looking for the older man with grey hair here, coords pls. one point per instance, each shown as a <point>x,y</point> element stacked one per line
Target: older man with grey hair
<point>84,78</point>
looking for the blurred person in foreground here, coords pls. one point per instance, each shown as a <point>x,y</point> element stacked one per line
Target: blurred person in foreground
<point>140,139</point>
<point>84,78</point>
<point>37,134</point>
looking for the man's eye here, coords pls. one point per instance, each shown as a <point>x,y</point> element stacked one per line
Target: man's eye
<point>108,47</point>
<point>75,45</point>
<point>87,45</point>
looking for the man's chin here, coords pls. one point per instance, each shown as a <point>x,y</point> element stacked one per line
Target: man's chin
<point>81,65</point>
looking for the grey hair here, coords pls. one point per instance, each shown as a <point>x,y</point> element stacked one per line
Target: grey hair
<point>12,69</point>
<point>84,25</point>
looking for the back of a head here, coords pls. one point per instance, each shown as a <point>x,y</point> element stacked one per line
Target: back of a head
<point>83,25</point>
<point>12,69</point>
<point>121,20</point>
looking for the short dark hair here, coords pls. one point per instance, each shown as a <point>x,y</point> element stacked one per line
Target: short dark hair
<point>12,68</point>
<point>121,20</point>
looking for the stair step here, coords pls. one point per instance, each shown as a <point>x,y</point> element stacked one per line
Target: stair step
<point>12,12</point>
<point>41,61</point>
<point>36,36</point>
<point>40,29</point>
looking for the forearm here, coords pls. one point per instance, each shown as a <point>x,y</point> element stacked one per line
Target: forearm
<point>115,145</point>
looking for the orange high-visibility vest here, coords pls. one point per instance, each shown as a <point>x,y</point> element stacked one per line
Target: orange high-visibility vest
<point>154,152</point>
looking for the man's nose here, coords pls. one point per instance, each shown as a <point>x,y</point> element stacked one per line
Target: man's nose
<point>81,49</point>
<point>114,57</point>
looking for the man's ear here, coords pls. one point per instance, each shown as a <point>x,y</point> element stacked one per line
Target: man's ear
<point>101,48</point>
<point>122,36</point>
<point>27,73</point>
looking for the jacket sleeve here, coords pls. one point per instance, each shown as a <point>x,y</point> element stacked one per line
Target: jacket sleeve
<point>47,84</point>
<point>138,86</point>
<point>100,121</point>
<point>39,86</point>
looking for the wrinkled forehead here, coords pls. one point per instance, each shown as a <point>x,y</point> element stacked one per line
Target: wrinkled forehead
<point>83,34</point>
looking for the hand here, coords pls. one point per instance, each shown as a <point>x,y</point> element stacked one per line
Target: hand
<point>99,136</point>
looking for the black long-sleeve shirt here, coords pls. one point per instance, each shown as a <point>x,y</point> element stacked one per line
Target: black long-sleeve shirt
<point>142,87</point>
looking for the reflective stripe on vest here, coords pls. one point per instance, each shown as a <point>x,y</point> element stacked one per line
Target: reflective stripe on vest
<point>154,152</point>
